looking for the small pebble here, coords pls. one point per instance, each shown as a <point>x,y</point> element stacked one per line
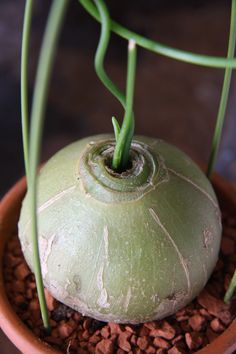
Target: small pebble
<point>123,342</point>
<point>165,331</point>
<point>176,350</point>
<point>105,332</point>
<point>21,271</point>
<point>193,340</point>
<point>105,346</point>
<point>161,343</point>
<point>197,322</point>
<point>94,339</point>
<point>142,342</point>
<point>65,330</point>
<point>217,326</point>
<point>51,302</point>
<point>150,350</point>
<point>115,328</point>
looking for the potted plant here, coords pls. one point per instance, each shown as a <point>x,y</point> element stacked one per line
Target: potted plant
<point>118,194</point>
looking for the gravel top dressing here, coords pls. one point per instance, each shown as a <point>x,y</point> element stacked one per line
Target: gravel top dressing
<point>187,331</point>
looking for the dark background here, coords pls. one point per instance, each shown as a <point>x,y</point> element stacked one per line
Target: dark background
<point>175,101</point>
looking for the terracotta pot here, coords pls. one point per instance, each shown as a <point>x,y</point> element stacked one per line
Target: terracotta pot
<point>22,337</point>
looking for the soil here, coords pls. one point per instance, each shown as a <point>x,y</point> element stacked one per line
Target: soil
<point>189,330</point>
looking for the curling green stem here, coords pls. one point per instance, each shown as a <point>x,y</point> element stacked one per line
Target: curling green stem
<point>101,51</point>
<point>124,135</point>
<point>122,148</point>
<point>24,82</point>
<point>44,69</point>
<point>224,94</point>
<point>157,47</point>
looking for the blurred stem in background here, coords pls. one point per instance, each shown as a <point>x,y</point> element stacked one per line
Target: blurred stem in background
<point>224,94</point>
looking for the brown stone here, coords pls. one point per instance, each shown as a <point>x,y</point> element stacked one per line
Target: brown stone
<point>214,306</point>
<point>217,326</point>
<point>77,316</point>
<point>21,271</point>
<point>144,331</point>
<point>161,343</point>
<point>197,322</point>
<point>120,351</point>
<point>160,351</point>
<point>133,339</point>
<point>129,329</point>
<point>65,330</point>
<point>94,339</point>
<point>193,340</point>
<point>86,334</point>
<point>105,346</point>
<point>29,294</point>
<point>34,304</point>
<point>83,344</point>
<point>136,351</point>
<point>12,260</point>
<point>87,323</point>
<point>105,332</point>
<point>142,342</point>
<point>205,314</point>
<point>177,339</point>
<point>165,331</point>
<point>51,302</point>
<point>176,350</point>
<point>31,285</point>
<point>115,328</point>
<point>123,342</point>
<point>181,315</point>
<point>150,350</point>
<point>150,325</point>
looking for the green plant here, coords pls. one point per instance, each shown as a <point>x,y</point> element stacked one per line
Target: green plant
<point>130,173</point>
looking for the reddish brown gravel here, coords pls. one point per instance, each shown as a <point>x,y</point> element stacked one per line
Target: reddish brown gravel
<point>187,331</point>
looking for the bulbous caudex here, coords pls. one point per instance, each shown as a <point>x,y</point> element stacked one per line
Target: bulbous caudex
<point>128,247</point>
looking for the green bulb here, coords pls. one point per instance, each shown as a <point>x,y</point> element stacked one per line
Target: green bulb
<point>128,247</point>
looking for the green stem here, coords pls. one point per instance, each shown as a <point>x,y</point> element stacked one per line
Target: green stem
<point>231,290</point>
<point>44,69</point>
<point>125,135</point>
<point>188,57</point>
<point>121,153</point>
<point>116,127</point>
<point>101,51</point>
<point>224,94</point>
<point>24,82</point>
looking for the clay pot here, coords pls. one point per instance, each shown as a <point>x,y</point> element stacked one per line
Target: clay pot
<point>22,337</point>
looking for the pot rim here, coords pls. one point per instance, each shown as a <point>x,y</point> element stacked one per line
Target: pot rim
<point>19,334</point>
<point>22,337</point>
